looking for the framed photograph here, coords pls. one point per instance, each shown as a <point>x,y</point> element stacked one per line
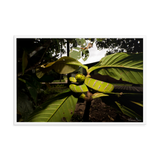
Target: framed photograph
<point>80,79</point>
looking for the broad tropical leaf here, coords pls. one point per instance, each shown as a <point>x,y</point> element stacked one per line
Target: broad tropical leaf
<point>67,65</point>
<point>128,67</point>
<point>129,104</point>
<point>58,109</point>
<point>127,111</point>
<point>63,65</point>
<point>134,103</point>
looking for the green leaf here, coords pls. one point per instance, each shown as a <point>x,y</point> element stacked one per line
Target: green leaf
<point>133,102</point>
<point>67,65</point>
<point>127,111</point>
<point>63,65</point>
<point>124,103</point>
<point>39,73</point>
<point>140,104</point>
<point>49,64</point>
<point>24,81</point>
<point>123,66</point>
<point>81,42</point>
<point>98,95</point>
<point>58,109</point>
<point>75,54</point>
<point>24,61</point>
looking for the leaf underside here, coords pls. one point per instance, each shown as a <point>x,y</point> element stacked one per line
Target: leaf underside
<point>63,65</point>
<point>128,67</point>
<point>57,109</point>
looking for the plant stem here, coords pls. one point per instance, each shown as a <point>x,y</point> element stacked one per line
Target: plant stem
<point>88,100</point>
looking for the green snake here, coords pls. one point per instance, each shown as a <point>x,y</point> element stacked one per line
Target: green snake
<point>89,83</point>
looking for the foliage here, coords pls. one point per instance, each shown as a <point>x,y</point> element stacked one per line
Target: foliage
<point>128,67</point>
<point>131,65</point>
<point>81,51</point>
<point>38,60</point>
<point>115,45</point>
<point>31,54</point>
<point>59,108</point>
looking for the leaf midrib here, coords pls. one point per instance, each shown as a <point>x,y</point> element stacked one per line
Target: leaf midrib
<point>57,108</point>
<point>113,66</point>
<point>127,67</point>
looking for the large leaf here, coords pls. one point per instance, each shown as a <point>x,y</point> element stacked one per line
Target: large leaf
<point>129,112</point>
<point>128,67</point>
<point>63,65</point>
<point>67,65</point>
<point>133,103</point>
<point>130,104</point>
<point>58,109</point>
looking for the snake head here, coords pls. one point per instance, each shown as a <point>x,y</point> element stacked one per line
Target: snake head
<point>80,78</point>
